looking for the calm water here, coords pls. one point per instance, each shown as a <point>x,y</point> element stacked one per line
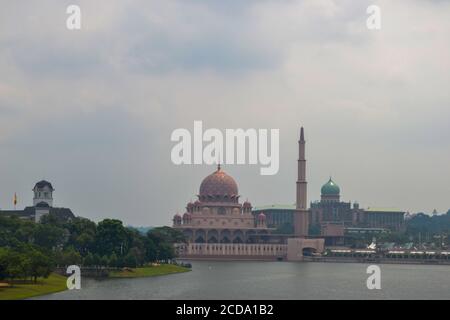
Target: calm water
<point>273,280</point>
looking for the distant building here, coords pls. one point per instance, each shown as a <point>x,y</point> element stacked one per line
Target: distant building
<point>330,209</point>
<point>218,226</point>
<point>334,219</point>
<point>42,205</point>
<point>277,215</point>
<point>387,218</point>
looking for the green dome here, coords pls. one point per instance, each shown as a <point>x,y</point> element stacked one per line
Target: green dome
<point>330,188</point>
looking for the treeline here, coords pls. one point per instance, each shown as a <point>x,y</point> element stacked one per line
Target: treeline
<point>30,250</point>
<point>425,224</point>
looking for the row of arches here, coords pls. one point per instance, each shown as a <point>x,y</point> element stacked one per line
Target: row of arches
<point>222,235</point>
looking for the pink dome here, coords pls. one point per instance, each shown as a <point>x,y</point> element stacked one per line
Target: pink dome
<point>218,184</point>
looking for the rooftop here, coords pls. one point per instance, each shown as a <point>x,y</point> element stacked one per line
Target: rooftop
<point>275,207</point>
<point>381,209</point>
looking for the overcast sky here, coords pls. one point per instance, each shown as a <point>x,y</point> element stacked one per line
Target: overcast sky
<point>92,111</point>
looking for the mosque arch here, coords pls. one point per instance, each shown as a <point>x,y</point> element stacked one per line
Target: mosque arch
<point>200,236</point>
<point>238,236</point>
<point>213,236</point>
<point>225,236</point>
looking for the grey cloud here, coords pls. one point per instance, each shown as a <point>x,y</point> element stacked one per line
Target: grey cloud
<point>93,111</point>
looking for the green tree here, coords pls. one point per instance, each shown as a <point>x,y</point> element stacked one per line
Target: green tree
<point>88,260</point>
<point>97,260</point>
<point>17,265</point>
<point>111,237</point>
<point>48,236</point>
<point>166,252</point>
<point>82,234</point>
<point>104,261</point>
<point>40,265</point>
<point>71,257</point>
<point>151,250</point>
<point>113,262</point>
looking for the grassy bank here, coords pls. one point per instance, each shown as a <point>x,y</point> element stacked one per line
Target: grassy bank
<point>56,283</point>
<point>149,271</point>
<point>53,283</point>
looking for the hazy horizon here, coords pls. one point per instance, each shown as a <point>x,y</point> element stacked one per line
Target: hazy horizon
<point>92,110</point>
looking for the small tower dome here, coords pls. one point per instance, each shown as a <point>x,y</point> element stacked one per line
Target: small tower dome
<point>177,219</point>
<point>43,192</point>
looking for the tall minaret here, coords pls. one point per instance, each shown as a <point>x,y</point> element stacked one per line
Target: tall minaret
<point>301,213</point>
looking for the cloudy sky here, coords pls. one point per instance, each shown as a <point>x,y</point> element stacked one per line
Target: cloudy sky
<point>92,111</point>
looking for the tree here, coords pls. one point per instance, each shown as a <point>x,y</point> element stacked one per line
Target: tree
<point>113,260</point>
<point>166,234</point>
<point>130,261</point>
<point>97,260</point>
<point>88,260</point>
<point>16,265</point>
<point>39,264</point>
<point>111,237</point>
<point>3,263</point>
<point>71,257</point>
<point>48,236</point>
<point>82,234</point>
<point>104,261</point>
<point>166,252</point>
<point>151,250</point>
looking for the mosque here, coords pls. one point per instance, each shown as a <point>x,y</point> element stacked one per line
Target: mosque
<point>219,226</point>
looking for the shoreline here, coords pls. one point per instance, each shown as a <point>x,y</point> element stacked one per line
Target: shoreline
<point>328,260</point>
<point>379,261</point>
<point>20,291</point>
<point>57,282</point>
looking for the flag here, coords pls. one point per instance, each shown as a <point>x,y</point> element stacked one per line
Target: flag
<point>15,199</point>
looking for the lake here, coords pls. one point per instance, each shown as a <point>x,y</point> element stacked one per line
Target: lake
<point>273,280</point>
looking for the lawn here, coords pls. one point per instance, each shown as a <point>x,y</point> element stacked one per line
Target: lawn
<point>53,283</point>
<point>149,271</point>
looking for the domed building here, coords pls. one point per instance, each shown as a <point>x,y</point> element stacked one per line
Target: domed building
<point>218,216</point>
<point>330,192</point>
<point>218,226</point>
<point>330,209</point>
